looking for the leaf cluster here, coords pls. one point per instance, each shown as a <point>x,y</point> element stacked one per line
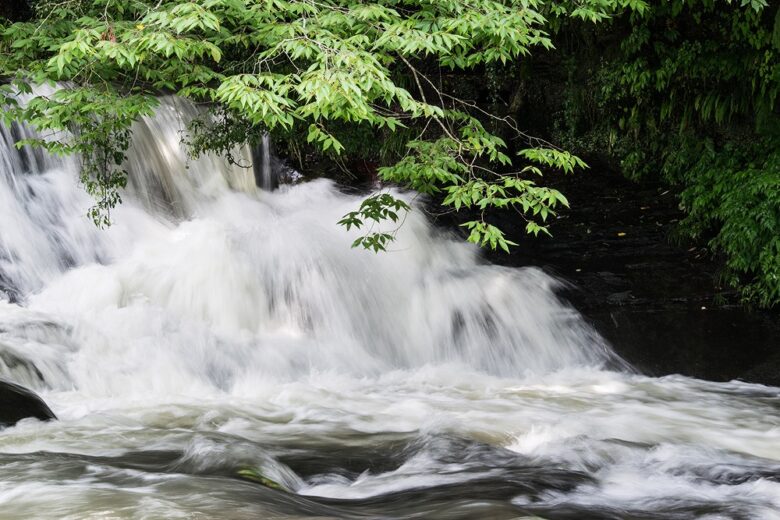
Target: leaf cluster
<point>288,66</point>
<point>688,94</point>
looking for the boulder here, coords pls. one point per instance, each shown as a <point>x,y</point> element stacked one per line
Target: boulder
<point>17,403</point>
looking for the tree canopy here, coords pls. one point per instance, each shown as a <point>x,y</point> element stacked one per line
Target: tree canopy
<point>281,66</point>
<point>686,93</point>
<point>686,89</point>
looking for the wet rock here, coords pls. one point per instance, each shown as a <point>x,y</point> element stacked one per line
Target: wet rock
<point>656,301</point>
<point>17,403</point>
<point>766,372</point>
<point>620,298</point>
<point>255,476</point>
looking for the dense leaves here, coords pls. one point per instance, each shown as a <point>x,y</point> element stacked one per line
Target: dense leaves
<point>687,91</point>
<point>732,198</point>
<point>290,66</point>
<point>684,89</point>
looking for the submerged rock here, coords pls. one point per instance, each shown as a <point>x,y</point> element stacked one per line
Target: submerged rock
<point>255,476</point>
<point>17,403</point>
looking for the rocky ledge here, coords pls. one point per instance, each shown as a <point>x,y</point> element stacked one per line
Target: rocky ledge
<point>657,302</point>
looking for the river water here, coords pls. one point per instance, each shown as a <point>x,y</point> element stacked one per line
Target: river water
<point>217,333</point>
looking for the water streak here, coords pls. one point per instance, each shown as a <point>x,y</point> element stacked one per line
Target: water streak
<point>217,330</point>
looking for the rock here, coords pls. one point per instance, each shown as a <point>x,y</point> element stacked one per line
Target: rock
<point>620,298</point>
<point>765,373</point>
<point>17,403</point>
<point>656,301</point>
<point>256,476</point>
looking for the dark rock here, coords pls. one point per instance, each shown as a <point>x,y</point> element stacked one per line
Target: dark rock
<point>656,302</point>
<point>620,298</point>
<point>718,344</point>
<point>767,372</point>
<point>17,403</point>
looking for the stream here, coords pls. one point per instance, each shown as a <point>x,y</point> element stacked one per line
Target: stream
<point>221,352</point>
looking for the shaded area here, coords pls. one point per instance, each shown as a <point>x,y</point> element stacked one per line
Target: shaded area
<point>657,302</point>
<point>16,10</point>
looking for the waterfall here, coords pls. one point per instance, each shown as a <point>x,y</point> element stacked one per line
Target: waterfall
<point>42,217</point>
<point>222,348</point>
<point>42,206</point>
<point>268,280</point>
<point>271,172</point>
<point>267,180</point>
<point>162,174</point>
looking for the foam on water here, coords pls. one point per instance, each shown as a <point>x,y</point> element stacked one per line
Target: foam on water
<point>217,327</point>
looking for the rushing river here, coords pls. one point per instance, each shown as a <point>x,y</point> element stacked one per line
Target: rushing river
<point>218,333</point>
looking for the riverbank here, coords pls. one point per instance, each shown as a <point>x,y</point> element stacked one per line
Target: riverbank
<point>656,301</point>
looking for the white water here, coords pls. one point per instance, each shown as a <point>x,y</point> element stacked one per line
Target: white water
<point>222,327</point>
<point>267,180</point>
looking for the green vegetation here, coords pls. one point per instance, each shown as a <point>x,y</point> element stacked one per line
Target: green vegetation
<point>687,92</point>
<point>322,69</point>
<point>684,91</point>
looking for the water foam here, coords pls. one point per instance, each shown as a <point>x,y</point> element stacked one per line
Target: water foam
<point>221,286</point>
<point>215,327</point>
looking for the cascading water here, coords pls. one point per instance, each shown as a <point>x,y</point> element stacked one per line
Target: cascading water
<point>267,179</point>
<point>218,331</point>
<point>162,175</point>
<point>270,171</point>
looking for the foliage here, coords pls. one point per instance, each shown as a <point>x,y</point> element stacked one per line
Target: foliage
<point>293,66</point>
<point>374,209</point>
<point>733,196</point>
<point>688,93</point>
